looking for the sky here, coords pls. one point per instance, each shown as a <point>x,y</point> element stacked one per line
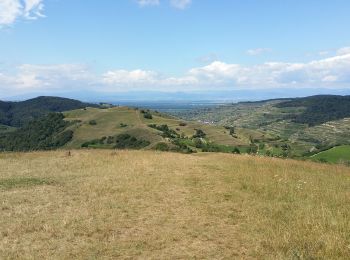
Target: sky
<point>61,47</point>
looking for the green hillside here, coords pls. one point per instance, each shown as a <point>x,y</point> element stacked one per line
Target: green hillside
<point>94,124</point>
<point>19,113</point>
<point>334,155</point>
<point>45,133</point>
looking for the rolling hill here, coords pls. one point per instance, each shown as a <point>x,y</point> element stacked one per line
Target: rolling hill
<point>123,120</point>
<point>19,113</point>
<point>281,128</point>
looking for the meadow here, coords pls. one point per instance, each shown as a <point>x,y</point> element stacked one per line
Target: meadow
<point>93,204</point>
<point>338,154</point>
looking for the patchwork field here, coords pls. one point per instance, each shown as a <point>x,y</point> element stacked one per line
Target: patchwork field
<point>94,204</point>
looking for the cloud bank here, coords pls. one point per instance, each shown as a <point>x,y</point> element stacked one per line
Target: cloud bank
<point>333,72</point>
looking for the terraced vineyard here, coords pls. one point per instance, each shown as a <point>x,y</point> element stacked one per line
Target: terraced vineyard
<point>277,125</point>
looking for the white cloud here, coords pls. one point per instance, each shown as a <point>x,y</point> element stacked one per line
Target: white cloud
<point>180,4</point>
<point>323,53</point>
<point>332,72</point>
<point>9,11</point>
<point>342,51</point>
<point>258,51</point>
<point>12,10</point>
<point>134,77</point>
<point>47,77</point>
<point>148,2</point>
<point>33,9</point>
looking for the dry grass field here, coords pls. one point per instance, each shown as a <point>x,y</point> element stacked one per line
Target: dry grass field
<point>150,205</point>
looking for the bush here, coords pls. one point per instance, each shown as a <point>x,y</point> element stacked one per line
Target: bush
<point>231,128</point>
<point>126,141</point>
<point>166,131</point>
<point>147,115</point>
<point>122,141</point>
<point>253,149</point>
<point>92,122</point>
<point>236,150</point>
<point>198,142</point>
<point>199,134</point>
<point>162,147</point>
<point>268,153</point>
<point>182,124</point>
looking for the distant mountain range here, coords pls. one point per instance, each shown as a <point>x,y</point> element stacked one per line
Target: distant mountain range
<point>214,95</point>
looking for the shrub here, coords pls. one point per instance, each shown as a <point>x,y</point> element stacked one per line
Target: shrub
<point>125,141</point>
<point>199,134</point>
<point>198,142</point>
<point>110,140</point>
<point>253,149</point>
<point>92,122</point>
<point>231,128</point>
<point>147,115</point>
<point>162,147</point>
<point>166,131</point>
<point>236,150</point>
<point>182,124</point>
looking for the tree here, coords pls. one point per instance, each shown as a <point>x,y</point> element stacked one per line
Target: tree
<point>147,115</point>
<point>198,142</point>
<point>199,134</point>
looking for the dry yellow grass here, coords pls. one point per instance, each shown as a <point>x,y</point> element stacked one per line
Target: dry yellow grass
<point>152,205</point>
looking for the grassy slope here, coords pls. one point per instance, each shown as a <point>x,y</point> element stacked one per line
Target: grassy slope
<point>96,204</point>
<point>335,154</point>
<point>109,120</point>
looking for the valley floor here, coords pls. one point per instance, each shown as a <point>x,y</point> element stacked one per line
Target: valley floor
<point>145,204</point>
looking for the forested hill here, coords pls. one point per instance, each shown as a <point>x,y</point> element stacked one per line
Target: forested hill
<point>19,113</point>
<point>319,109</point>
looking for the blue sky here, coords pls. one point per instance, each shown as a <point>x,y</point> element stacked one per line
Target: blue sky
<point>62,46</point>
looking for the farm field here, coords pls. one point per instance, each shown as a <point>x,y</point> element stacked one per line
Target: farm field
<point>146,204</point>
<point>334,155</point>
